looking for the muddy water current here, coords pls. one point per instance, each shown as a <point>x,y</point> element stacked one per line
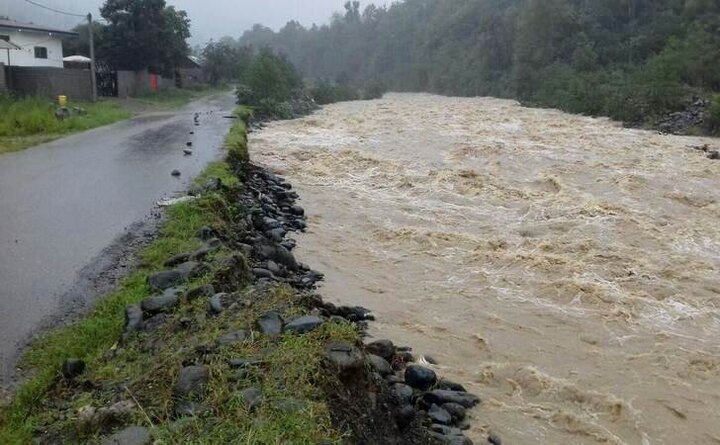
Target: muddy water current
<point>565,268</point>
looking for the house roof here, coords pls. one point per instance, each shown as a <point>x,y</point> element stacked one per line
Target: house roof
<point>8,45</point>
<point>12,25</point>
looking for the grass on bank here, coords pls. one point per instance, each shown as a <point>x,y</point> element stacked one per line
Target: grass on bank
<point>31,121</point>
<point>291,369</point>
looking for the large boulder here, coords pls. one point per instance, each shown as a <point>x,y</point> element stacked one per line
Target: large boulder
<point>164,280</point>
<point>304,324</point>
<point>420,377</point>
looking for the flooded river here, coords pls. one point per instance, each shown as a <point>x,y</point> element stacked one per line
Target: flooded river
<point>565,268</point>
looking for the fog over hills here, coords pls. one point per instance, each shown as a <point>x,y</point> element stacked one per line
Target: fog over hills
<point>210,19</point>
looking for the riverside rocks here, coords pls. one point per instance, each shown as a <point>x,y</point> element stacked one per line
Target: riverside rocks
<point>304,324</point>
<point>134,435</point>
<point>270,324</point>
<point>164,280</point>
<point>190,382</point>
<point>420,377</point>
<point>72,368</point>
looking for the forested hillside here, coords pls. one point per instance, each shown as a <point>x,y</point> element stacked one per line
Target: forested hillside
<point>632,60</point>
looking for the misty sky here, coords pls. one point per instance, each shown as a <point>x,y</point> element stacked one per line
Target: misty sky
<point>210,18</point>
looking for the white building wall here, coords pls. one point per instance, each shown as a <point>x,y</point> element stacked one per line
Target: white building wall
<point>28,41</point>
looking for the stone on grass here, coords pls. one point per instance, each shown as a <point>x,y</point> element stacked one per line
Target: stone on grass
<point>168,300</point>
<point>251,398</point>
<point>279,254</point>
<point>133,435</point>
<point>420,377</point>
<point>270,324</point>
<point>205,233</point>
<point>380,365</point>
<point>344,357</point>
<point>304,324</point>
<point>177,259</point>
<point>133,318</point>
<point>191,382</point>
<point>382,348</point>
<point>190,269</point>
<point>232,337</point>
<point>215,304</point>
<point>164,280</point>
<point>72,368</point>
<point>206,290</point>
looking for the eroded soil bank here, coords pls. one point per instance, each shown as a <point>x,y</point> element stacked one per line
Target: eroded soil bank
<point>563,265</point>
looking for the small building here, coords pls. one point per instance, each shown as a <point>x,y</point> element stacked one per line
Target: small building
<point>40,46</point>
<point>190,73</point>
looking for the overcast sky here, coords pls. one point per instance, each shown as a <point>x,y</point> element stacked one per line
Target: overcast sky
<point>210,18</point>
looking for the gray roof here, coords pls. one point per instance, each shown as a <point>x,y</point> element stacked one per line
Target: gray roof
<point>8,45</point>
<point>7,24</point>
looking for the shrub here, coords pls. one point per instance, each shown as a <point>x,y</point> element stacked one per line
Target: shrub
<point>712,116</point>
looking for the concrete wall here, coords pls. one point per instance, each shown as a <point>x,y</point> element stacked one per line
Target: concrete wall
<point>28,41</point>
<point>3,82</point>
<point>191,77</point>
<point>51,82</point>
<point>133,83</point>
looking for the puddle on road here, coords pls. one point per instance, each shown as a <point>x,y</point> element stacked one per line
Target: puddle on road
<point>565,267</point>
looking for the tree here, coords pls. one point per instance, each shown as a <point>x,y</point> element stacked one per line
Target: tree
<point>144,34</point>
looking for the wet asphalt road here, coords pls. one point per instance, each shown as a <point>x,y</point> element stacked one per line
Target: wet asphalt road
<point>64,202</point>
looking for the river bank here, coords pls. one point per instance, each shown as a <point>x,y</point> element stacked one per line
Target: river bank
<point>224,340</point>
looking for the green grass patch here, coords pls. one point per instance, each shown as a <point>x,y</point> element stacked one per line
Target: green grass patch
<point>29,121</point>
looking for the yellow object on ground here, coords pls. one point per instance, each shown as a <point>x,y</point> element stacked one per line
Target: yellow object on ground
<point>62,100</point>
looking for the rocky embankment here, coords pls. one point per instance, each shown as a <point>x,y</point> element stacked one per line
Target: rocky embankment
<point>235,344</point>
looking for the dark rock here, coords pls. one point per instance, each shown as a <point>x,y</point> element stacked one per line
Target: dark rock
<point>297,210</point>
<point>442,396</point>
<point>420,377</point>
<point>344,357</point>
<point>450,385</point>
<point>215,304</point>
<point>205,291</point>
<point>190,269</point>
<point>494,439</point>
<point>177,259</point>
<point>168,300</point>
<point>457,411</point>
<point>189,408</point>
<point>133,318</point>
<point>72,368</point>
<point>382,348</point>
<point>445,430</point>
<point>380,365</point>
<point>134,435</point>
<point>405,416</point>
<point>165,280</point>
<point>291,405</point>
<point>270,324</point>
<point>273,267</point>
<point>300,224</point>
<point>251,398</point>
<point>263,273</point>
<point>241,363</point>
<point>188,144</point>
<point>232,337</point>
<point>304,324</point>
<point>191,381</point>
<point>155,322</point>
<point>175,173</point>
<point>279,254</point>
<point>355,314</point>
<point>715,154</point>
<point>205,233</point>
<point>404,393</point>
<point>202,253</point>
<point>439,415</point>
<point>187,152</point>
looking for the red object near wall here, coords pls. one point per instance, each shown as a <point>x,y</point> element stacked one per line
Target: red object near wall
<point>154,83</point>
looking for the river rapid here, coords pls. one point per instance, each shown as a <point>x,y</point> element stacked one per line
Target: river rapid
<point>562,267</point>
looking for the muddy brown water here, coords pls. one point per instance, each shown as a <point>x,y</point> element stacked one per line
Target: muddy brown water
<point>565,268</point>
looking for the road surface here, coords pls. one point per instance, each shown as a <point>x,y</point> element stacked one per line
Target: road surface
<point>62,204</point>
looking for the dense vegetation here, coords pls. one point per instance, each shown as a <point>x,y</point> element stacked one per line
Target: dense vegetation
<point>629,59</point>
